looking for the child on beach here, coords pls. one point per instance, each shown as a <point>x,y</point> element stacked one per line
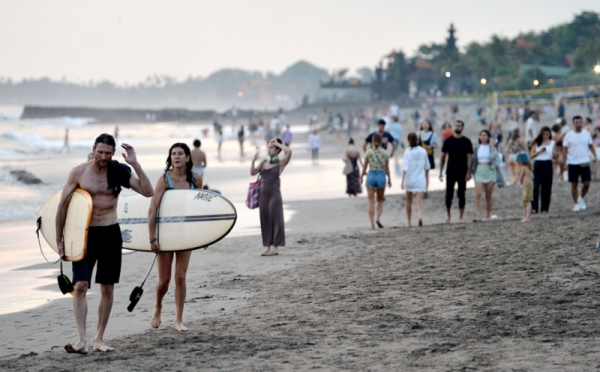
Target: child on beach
<point>526,178</point>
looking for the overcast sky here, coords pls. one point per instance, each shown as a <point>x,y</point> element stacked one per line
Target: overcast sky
<point>126,40</point>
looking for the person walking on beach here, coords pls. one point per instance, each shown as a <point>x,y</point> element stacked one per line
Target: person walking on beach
<point>102,178</point>
<point>459,151</point>
<point>314,144</point>
<point>414,176</point>
<point>531,128</point>
<point>286,136</point>
<point>270,203</point>
<point>577,145</point>
<point>65,145</point>
<point>514,146</point>
<point>220,142</point>
<point>377,162</point>
<point>386,138</point>
<point>178,174</point>
<point>526,177</point>
<point>198,158</point>
<point>241,136</point>
<point>352,156</point>
<point>428,140</point>
<point>542,148</point>
<point>485,161</point>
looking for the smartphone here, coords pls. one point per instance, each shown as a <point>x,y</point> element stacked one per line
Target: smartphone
<point>257,150</point>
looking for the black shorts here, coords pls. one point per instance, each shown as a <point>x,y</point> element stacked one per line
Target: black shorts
<point>431,161</point>
<point>580,170</point>
<point>104,245</point>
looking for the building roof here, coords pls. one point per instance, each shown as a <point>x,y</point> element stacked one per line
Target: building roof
<point>550,71</point>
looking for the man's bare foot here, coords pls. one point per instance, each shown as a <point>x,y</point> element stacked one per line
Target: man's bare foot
<point>460,220</point>
<point>155,322</point>
<point>100,346</point>
<point>180,327</point>
<point>78,348</point>
<point>525,220</point>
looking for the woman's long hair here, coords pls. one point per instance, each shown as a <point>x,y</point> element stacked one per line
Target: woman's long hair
<point>429,123</point>
<point>539,139</point>
<point>490,139</point>
<point>516,134</point>
<point>189,176</point>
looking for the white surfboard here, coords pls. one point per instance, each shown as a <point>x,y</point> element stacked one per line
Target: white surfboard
<point>76,227</point>
<point>187,219</point>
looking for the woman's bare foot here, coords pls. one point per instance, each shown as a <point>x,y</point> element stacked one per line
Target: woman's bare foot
<point>180,327</point>
<point>155,322</point>
<point>525,220</point>
<point>266,252</point>
<point>102,347</point>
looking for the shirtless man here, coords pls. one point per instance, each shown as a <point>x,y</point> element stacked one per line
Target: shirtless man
<point>198,158</point>
<point>102,178</point>
<point>495,128</point>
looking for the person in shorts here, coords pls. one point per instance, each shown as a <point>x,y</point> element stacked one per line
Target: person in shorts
<point>577,146</point>
<point>377,162</point>
<point>102,178</point>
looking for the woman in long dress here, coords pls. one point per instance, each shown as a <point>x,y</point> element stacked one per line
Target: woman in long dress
<point>178,175</point>
<point>414,180</point>
<point>270,203</point>
<point>352,155</point>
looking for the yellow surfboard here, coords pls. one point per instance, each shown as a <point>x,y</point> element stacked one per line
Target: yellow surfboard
<point>76,226</point>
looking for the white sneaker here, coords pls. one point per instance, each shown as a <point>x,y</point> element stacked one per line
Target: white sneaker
<point>582,204</point>
<point>576,208</point>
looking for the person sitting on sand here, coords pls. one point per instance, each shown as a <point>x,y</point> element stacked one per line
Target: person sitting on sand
<point>102,178</point>
<point>526,178</point>
<point>377,162</point>
<point>414,175</point>
<point>198,158</point>
<point>178,175</point>
<point>270,203</point>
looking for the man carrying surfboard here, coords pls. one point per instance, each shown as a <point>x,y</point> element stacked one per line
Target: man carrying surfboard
<point>102,178</point>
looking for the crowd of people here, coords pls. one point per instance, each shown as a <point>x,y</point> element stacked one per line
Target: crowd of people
<point>535,163</point>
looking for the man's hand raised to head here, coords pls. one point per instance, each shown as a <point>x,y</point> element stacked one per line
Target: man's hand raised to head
<point>130,157</point>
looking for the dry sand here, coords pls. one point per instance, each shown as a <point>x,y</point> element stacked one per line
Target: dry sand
<point>499,295</point>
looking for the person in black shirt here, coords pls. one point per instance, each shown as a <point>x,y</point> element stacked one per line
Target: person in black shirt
<point>459,151</point>
<point>387,138</point>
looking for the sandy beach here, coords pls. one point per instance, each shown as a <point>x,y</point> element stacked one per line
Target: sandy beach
<point>495,295</point>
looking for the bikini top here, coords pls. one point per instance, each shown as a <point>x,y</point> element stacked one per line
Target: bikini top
<point>170,183</point>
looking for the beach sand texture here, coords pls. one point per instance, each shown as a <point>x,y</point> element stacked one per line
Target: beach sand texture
<point>496,295</point>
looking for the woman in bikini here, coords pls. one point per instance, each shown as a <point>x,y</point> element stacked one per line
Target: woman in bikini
<point>178,175</point>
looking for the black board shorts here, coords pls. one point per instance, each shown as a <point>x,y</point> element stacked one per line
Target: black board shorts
<point>104,246</point>
<point>580,170</point>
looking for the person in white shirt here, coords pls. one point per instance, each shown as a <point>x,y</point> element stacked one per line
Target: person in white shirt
<point>415,164</point>
<point>394,110</point>
<point>542,148</point>
<point>314,144</point>
<point>577,146</point>
<point>531,128</point>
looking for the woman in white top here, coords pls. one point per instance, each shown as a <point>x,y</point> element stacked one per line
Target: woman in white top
<point>485,161</point>
<point>542,148</point>
<point>414,181</point>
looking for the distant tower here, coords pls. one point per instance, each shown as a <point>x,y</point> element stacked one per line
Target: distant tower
<point>451,40</point>
<point>451,49</point>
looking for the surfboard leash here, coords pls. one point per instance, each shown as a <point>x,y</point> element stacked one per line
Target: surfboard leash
<point>37,232</point>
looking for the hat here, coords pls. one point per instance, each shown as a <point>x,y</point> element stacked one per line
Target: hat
<point>522,157</point>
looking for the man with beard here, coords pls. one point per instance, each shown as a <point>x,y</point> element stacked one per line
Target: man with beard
<point>459,151</point>
<point>102,178</point>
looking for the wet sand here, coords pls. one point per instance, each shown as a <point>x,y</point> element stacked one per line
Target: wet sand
<point>496,295</point>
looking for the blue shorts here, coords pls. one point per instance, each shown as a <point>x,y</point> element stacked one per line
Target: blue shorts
<point>199,170</point>
<point>376,179</point>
